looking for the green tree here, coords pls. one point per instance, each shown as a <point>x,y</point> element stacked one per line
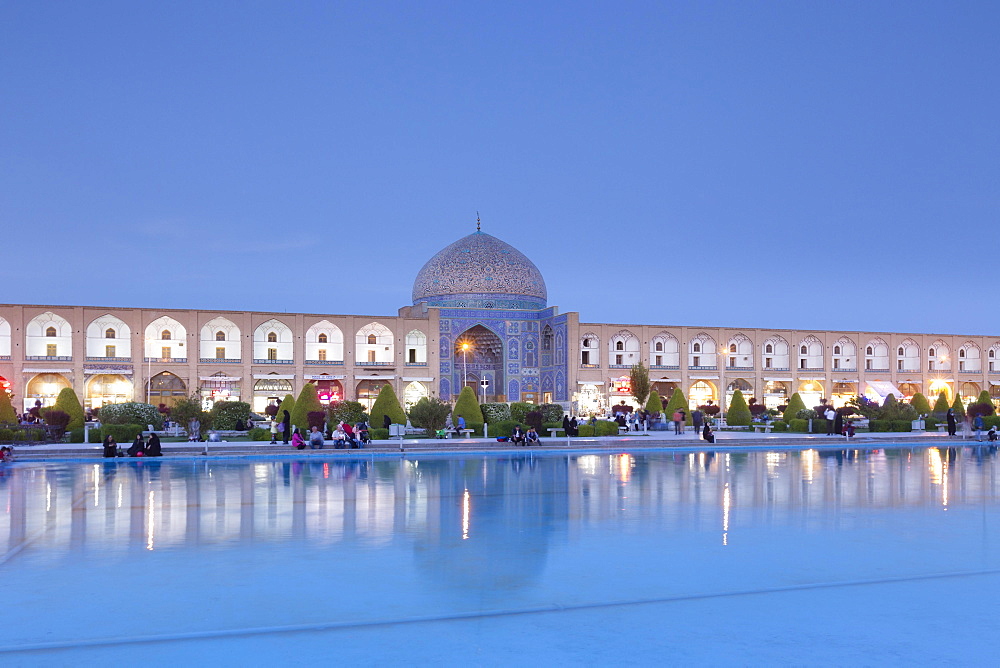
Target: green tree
<point>468,407</point>
<point>229,415</point>
<point>386,403</point>
<point>351,412</point>
<point>287,404</point>
<point>307,402</point>
<point>7,413</point>
<point>795,404</point>
<point>653,404</point>
<point>986,401</point>
<point>430,414</point>
<point>920,404</point>
<point>958,407</point>
<point>738,414</point>
<point>639,382</point>
<point>68,403</point>
<point>941,405</point>
<point>187,408</point>
<point>677,403</point>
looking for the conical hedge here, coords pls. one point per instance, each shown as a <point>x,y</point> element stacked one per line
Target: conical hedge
<point>653,404</point>
<point>386,403</point>
<point>958,407</point>
<point>677,403</point>
<point>941,405</point>
<point>306,403</point>
<point>287,404</point>
<point>7,413</point>
<point>795,404</point>
<point>68,403</point>
<point>738,414</point>
<point>920,404</point>
<point>468,407</point>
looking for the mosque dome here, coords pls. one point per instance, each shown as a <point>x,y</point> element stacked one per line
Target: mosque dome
<point>480,271</point>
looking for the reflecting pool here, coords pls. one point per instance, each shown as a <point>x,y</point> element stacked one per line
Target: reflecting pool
<point>809,557</point>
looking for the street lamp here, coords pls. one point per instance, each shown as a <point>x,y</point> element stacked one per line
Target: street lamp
<point>465,363</point>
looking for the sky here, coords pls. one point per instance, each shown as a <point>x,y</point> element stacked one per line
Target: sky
<point>806,165</point>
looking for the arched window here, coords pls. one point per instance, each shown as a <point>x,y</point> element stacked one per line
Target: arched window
<point>322,338</point>
<point>961,352</point>
<point>220,336</point>
<point>769,349</point>
<point>620,345</point>
<point>931,353</point>
<point>899,351</point>
<point>732,347</point>
<point>804,350</point>
<point>659,346</point>
<point>586,343</point>
<point>165,335</point>
<point>50,331</point>
<point>696,348</point>
<point>372,339</point>
<point>992,353</point>
<point>109,333</point>
<point>272,337</point>
<point>836,350</point>
<point>869,351</point>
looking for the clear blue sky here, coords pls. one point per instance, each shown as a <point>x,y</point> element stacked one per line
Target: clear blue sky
<point>819,165</point>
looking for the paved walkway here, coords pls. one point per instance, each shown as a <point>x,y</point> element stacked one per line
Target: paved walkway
<point>658,440</point>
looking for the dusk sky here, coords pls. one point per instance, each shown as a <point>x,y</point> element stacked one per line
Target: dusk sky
<point>809,165</point>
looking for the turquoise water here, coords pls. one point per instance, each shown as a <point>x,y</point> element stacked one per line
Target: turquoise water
<point>587,558</point>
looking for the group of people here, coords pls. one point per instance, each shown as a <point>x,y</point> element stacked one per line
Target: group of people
<point>139,448</point>
<point>343,436</point>
<point>518,436</point>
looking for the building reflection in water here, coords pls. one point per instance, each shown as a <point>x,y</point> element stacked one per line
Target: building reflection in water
<point>496,515</point>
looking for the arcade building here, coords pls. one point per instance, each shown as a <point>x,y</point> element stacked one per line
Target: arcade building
<point>479,317</point>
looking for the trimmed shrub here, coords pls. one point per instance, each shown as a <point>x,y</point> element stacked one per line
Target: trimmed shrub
<point>930,424</point>
<point>7,413</point>
<point>386,403</point>
<point>901,425</point>
<point>941,406</point>
<point>798,425</point>
<point>468,407</point>
<point>779,425</point>
<point>287,404</point>
<point>122,433</point>
<point>59,419</point>
<point>495,412</point>
<point>535,419</point>
<point>317,419</point>
<point>985,398</point>
<point>519,409</point>
<point>69,403</point>
<point>551,413</point>
<point>604,428</point>
<point>259,434</point>
<point>653,404</point>
<point>920,404</point>
<point>131,413</point>
<point>307,402</point>
<point>958,407</point>
<point>677,403</point>
<point>504,428</point>
<point>378,434</point>
<point>229,415</point>
<point>738,414</point>
<point>7,435</point>
<point>879,425</point>
<point>992,421</point>
<point>795,404</point>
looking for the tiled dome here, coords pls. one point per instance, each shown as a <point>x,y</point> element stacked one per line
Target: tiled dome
<point>480,271</point>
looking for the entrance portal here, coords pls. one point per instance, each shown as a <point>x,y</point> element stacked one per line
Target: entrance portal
<point>479,356</point>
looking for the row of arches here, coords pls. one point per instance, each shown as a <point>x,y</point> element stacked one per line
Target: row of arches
<point>167,388</point>
<point>776,353</point>
<point>109,338</point>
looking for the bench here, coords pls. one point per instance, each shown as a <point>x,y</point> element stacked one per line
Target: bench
<point>765,427</point>
<point>466,433</point>
<point>553,431</point>
<point>623,430</point>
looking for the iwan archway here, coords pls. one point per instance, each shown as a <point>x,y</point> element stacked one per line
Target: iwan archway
<point>479,356</point>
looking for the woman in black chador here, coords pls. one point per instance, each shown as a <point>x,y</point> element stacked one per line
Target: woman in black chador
<point>952,425</point>
<point>286,427</point>
<point>137,447</point>
<point>110,446</point>
<point>153,446</point>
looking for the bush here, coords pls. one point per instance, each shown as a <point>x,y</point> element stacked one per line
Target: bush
<point>901,425</point>
<point>351,412</point>
<point>677,403</point>
<point>551,413</point>
<point>229,415</point>
<point>378,434</point>
<point>920,404</point>
<point>307,402</point>
<point>879,425</point>
<point>807,414</point>
<point>317,419</point>
<point>959,408</point>
<point>941,405</point>
<point>122,433</point>
<point>930,424</point>
<point>535,419</point>
<point>653,404</point>
<point>386,403</point>
<point>7,435</point>
<point>430,414</point>
<point>495,412</point>
<point>7,413</point>
<point>259,434</point>
<point>795,404</point>
<point>798,425</point>
<point>468,407</point>
<point>131,413</point>
<point>738,414</point>
<point>69,403</point>
<point>58,419</point>
<point>519,409</point>
<point>504,428</point>
<point>779,425</point>
<point>604,428</point>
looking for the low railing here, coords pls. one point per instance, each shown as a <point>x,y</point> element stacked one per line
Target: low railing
<point>107,359</point>
<point>849,370</point>
<point>775,368</point>
<point>703,368</point>
<point>416,364</point>
<point>590,366</point>
<point>49,358</point>
<point>665,367</point>
<point>877,370</point>
<point>258,361</point>
<point>979,371</point>
<point>739,368</point>
<point>377,364</point>
<point>166,360</point>
<point>326,362</point>
<point>620,366</point>
<point>218,360</point>
<point>811,369</point>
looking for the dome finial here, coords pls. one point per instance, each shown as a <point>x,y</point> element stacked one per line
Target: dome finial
<point>477,222</point>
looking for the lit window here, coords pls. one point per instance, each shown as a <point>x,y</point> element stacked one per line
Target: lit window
<point>220,353</point>
<point>371,355</point>
<point>321,354</point>
<point>272,337</point>
<point>109,333</point>
<point>272,353</point>
<point>165,335</point>
<point>322,338</point>
<point>732,347</point>
<point>372,341</point>
<point>220,336</point>
<point>931,352</point>
<point>50,350</point>
<point>109,351</point>
<point>51,331</point>
<point>165,352</point>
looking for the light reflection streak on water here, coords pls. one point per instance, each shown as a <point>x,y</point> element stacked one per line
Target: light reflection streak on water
<point>727,500</point>
<point>150,520</point>
<point>466,511</point>
<point>48,496</point>
<point>809,459</point>
<point>624,467</point>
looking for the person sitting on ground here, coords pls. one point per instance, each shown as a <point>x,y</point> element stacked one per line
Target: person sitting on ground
<point>349,432</point>
<point>153,446</point>
<point>517,436</point>
<point>531,438</point>
<point>298,442</point>
<point>110,446</point>
<point>991,435</point>
<point>138,448</point>
<point>7,454</point>
<point>706,434</point>
<point>315,438</point>
<point>361,431</point>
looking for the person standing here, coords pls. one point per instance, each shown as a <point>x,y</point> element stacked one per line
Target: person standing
<point>678,422</point>
<point>286,427</point>
<point>978,423</point>
<point>274,431</point>
<point>194,429</point>
<point>952,424</point>
<point>566,427</point>
<point>386,421</point>
<point>830,416</point>
<point>697,418</point>
<point>574,427</point>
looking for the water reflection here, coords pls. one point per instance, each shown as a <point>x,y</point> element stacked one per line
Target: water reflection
<point>496,515</point>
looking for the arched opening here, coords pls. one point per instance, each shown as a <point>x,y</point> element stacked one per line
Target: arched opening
<point>811,393</point>
<point>741,384</point>
<point>775,393</point>
<point>269,391</point>
<point>589,400</point>
<point>44,387</point>
<point>166,388</point>
<point>479,356</point>
<point>109,339</point>
<point>413,393</point>
<point>107,389</point>
<point>328,389</point>
<point>416,348</point>
<point>220,342</point>
<point>970,392</point>
<point>909,389</point>
<point>843,393</point>
<point>936,387</point>
<point>367,392</point>
<point>325,344</point>
<point>219,387</point>
<point>701,393</point>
